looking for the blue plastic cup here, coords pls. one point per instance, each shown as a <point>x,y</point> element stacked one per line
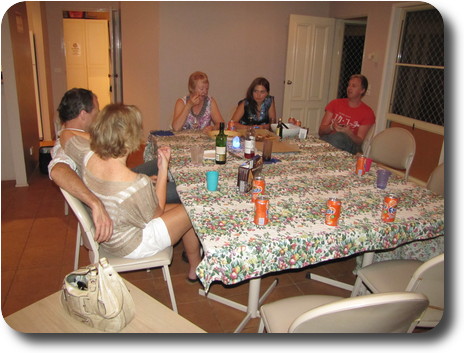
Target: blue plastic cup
<point>212,178</point>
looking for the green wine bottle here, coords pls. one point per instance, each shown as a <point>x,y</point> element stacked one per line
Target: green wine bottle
<point>221,146</point>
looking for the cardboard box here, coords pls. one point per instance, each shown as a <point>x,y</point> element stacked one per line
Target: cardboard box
<point>247,172</point>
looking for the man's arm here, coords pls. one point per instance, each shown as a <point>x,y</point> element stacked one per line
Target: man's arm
<point>357,139</point>
<point>326,126</point>
<point>67,179</point>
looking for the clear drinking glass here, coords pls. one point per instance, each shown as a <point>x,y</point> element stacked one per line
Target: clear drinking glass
<point>196,153</point>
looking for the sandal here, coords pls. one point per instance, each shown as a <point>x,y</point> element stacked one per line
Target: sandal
<point>192,281</point>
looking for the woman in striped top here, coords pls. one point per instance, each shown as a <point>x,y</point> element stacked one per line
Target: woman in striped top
<point>143,224</point>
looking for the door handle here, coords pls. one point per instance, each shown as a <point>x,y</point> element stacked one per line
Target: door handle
<point>289,82</point>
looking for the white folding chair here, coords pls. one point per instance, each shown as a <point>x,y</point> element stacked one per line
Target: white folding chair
<point>377,313</point>
<point>85,236</point>
<point>410,276</point>
<point>436,182</point>
<point>395,147</point>
<point>367,140</point>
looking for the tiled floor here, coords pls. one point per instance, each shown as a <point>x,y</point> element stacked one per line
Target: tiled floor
<point>38,244</point>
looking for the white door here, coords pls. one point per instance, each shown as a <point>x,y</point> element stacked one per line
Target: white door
<point>76,53</point>
<point>307,77</point>
<point>98,60</point>
<point>87,56</point>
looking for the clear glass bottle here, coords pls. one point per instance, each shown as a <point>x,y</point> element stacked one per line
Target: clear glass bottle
<point>221,146</point>
<point>250,143</point>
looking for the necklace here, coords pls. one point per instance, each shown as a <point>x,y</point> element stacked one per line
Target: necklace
<point>202,111</point>
<point>197,117</point>
<point>72,129</point>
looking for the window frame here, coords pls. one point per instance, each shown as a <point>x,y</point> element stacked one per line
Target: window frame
<point>391,68</point>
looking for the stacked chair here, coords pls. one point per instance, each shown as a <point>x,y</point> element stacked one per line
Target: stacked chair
<point>395,312</point>
<point>411,276</point>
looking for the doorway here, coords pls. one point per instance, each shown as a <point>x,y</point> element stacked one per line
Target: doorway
<point>315,72</point>
<point>93,51</point>
<point>354,35</point>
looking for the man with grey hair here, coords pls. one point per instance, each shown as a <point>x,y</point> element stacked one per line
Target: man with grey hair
<point>77,109</point>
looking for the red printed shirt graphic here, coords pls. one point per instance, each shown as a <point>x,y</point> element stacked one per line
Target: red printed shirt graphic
<point>343,114</point>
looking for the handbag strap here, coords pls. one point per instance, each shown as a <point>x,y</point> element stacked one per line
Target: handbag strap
<point>110,290</point>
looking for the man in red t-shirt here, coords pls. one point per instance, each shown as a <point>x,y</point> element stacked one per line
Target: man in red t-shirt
<point>347,120</point>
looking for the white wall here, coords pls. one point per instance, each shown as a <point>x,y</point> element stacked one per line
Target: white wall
<point>8,170</point>
<point>232,42</point>
<point>13,162</point>
<point>140,59</point>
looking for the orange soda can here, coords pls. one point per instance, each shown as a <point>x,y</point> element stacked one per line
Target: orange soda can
<point>262,210</point>
<point>361,165</point>
<point>332,213</point>
<point>258,187</point>
<point>231,125</point>
<point>390,203</point>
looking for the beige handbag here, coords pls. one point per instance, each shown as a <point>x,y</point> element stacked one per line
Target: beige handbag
<point>97,296</point>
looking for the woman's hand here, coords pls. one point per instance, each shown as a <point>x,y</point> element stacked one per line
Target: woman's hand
<point>164,156</point>
<point>194,100</point>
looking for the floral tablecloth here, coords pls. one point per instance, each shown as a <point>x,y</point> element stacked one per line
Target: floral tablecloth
<point>236,249</point>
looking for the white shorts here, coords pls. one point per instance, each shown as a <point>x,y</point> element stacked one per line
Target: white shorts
<point>155,239</point>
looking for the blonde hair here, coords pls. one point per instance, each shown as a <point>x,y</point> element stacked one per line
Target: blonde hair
<point>364,82</point>
<point>116,131</point>
<point>194,78</point>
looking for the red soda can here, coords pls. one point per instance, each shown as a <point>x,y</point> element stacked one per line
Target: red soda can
<point>361,165</point>
<point>262,210</point>
<point>390,203</point>
<point>332,213</point>
<point>231,125</point>
<point>259,184</point>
